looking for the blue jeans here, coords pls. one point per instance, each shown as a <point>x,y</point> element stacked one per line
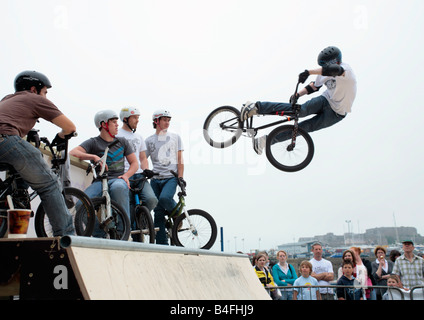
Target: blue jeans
<point>165,191</point>
<point>118,191</point>
<point>286,294</point>
<point>29,162</point>
<point>147,196</point>
<point>325,116</point>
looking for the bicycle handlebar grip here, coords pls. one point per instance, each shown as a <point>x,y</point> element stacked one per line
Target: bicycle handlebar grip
<point>71,135</point>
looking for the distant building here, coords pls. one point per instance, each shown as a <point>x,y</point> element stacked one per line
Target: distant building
<point>374,236</point>
<point>391,235</point>
<point>298,249</point>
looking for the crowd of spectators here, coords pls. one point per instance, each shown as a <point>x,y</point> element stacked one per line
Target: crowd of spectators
<point>357,278</point>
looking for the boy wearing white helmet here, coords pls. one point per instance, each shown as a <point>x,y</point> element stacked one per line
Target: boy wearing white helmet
<point>166,153</point>
<point>93,149</point>
<point>130,118</point>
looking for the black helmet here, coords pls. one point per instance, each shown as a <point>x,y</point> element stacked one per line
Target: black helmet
<point>329,55</point>
<point>27,79</point>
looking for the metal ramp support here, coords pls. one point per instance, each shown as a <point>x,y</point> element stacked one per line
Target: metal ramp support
<point>100,269</point>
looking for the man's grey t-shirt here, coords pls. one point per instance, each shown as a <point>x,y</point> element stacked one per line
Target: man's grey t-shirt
<point>116,155</point>
<point>163,151</point>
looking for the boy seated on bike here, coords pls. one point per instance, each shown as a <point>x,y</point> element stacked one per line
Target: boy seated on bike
<point>166,152</point>
<point>329,108</point>
<point>130,118</point>
<point>93,149</point>
<point>18,114</point>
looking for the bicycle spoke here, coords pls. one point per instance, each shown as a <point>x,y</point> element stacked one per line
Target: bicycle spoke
<point>286,154</point>
<point>199,231</point>
<point>222,128</point>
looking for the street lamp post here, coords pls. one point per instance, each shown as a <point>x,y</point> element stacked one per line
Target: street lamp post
<point>348,228</point>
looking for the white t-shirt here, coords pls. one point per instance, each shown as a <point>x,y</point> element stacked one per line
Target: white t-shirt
<point>163,151</point>
<point>137,143</point>
<point>341,90</point>
<point>320,266</point>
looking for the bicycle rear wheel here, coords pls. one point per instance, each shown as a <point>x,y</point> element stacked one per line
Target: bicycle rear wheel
<point>144,224</point>
<point>119,228</point>
<point>78,203</point>
<point>223,127</point>
<point>281,153</point>
<point>201,236</point>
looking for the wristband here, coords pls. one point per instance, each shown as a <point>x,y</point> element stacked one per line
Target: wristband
<point>309,89</point>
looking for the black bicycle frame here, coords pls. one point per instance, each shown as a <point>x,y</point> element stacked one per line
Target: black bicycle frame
<point>289,116</point>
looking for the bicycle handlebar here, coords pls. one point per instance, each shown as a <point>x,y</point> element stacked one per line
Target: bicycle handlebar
<point>112,143</point>
<point>181,184</point>
<point>60,144</point>
<point>295,97</point>
<point>101,162</point>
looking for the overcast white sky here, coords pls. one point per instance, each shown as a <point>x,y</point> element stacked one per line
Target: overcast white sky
<point>194,56</point>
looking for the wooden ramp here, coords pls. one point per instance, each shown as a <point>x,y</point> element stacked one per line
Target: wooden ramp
<point>98,269</point>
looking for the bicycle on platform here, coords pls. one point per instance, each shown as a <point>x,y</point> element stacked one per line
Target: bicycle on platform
<point>111,218</point>
<point>288,147</point>
<point>192,228</point>
<point>17,189</point>
<point>144,228</point>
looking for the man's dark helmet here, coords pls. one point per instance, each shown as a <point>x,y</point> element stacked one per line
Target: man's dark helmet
<point>330,55</point>
<point>27,79</point>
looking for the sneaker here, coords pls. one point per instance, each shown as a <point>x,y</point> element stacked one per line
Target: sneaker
<point>259,144</point>
<point>248,110</point>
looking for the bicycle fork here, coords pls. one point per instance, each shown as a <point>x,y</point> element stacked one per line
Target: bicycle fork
<point>191,227</point>
<point>291,146</point>
<point>106,210</point>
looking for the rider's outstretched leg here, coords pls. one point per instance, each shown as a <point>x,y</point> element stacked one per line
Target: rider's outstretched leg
<point>248,110</point>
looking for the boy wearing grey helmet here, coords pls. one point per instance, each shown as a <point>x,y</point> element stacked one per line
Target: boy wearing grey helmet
<point>93,149</point>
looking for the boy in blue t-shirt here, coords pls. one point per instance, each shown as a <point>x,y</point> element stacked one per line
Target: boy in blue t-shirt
<point>347,279</point>
<point>305,280</point>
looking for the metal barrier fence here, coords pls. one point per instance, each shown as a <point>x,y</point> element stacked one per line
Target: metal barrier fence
<point>334,292</point>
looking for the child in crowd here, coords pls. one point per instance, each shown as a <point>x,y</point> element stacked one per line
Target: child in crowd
<point>347,279</point>
<point>306,279</point>
<point>394,281</point>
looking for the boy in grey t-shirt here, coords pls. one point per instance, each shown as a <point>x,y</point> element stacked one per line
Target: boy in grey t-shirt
<point>165,150</point>
<point>93,149</point>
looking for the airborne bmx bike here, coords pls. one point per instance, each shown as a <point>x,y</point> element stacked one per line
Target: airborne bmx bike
<point>288,147</point>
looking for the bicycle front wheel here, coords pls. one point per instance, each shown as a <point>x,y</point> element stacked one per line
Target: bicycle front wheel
<point>119,228</point>
<point>223,127</point>
<point>78,203</point>
<point>286,156</point>
<point>145,227</point>
<point>197,232</point>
